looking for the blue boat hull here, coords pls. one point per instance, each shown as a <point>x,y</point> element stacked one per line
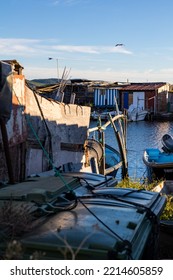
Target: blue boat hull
<point>159,164</point>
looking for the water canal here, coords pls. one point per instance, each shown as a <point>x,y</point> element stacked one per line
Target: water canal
<point>140,135</point>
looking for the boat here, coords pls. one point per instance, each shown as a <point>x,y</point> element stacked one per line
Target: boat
<point>159,164</point>
<point>136,113</point>
<point>109,159</point>
<point>79,216</point>
<point>167,141</point>
<point>106,155</point>
<point>99,156</point>
<point>104,115</point>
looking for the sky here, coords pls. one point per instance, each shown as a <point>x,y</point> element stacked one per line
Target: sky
<point>81,37</point>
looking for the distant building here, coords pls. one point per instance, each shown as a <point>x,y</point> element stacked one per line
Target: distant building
<point>150,96</point>
<point>105,97</point>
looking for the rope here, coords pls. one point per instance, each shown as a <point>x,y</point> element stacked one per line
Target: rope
<point>125,243</point>
<point>57,173</point>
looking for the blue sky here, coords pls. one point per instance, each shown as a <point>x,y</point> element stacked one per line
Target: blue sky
<point>81,35</point>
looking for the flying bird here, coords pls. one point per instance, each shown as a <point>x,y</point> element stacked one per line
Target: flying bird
<point>119,45</point>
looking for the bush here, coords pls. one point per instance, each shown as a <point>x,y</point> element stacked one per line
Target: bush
<point>129,183</point>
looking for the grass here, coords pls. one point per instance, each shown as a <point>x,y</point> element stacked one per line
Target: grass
<point>129,183</point>
<point>137,184</point>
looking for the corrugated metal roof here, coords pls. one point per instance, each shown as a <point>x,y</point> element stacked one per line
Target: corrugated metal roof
<point>142,86</point>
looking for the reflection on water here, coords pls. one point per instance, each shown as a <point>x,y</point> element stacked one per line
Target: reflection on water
<point>140,135</point>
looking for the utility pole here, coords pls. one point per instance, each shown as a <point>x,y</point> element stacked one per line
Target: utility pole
<point>57,66</point>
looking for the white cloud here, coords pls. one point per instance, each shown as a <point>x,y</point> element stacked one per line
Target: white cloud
<point>17,46</point>
<point>79,49</point>
<point>96,61</point>
<point>164,75</point>
<point>41,47</point>
<point>92,49</point>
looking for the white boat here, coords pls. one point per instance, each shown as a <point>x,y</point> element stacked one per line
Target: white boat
<point>136,113</point>
<point>95,115</point>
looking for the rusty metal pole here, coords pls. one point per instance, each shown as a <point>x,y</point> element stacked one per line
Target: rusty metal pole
<point>7,152</point>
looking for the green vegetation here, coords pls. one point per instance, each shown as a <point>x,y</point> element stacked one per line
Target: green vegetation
<point>129,183</point>
<point>42,82</point>
<point>168,211</point>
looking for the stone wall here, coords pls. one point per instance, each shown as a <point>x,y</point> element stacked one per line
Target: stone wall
<point>42,133</point>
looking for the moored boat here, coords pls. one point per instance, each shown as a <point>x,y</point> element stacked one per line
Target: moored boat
<point>104,115</point>
<point>136,113</point>
<point>110,158</point>
<point>159,164</point>
<point>167,142</point>
<point>107,156</point>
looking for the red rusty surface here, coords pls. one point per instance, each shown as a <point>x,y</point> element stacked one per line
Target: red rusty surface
<point>17,133</point>
<point>142,87</point>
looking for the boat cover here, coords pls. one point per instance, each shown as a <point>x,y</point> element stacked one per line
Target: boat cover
<point>100,231</point>
<point>83,218</point>
<point>167,142</point>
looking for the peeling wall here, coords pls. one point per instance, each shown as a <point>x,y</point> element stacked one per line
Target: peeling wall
<point>17,133</point>
<point>56,124</point>
<point>16,126</point>
<point>42,132</point>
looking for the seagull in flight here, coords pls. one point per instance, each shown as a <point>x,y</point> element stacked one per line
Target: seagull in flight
<point>119,45</point>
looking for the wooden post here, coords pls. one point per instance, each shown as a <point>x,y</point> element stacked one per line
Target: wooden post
<point>102,141</point>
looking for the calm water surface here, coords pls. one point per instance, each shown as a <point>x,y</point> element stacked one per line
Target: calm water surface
<point>140,135</point>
